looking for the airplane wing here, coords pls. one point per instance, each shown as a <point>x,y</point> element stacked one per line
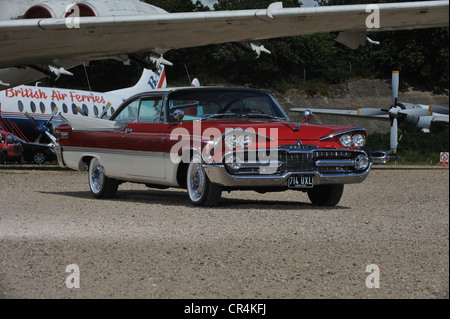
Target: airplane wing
<point>440,119</point>
<point>33,41</point>
<point>358,112</point>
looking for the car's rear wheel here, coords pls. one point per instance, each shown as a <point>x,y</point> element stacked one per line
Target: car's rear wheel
<point>39,157</point>
<point>326,195</point>
<point>201,191</point>
<point>101,186</point>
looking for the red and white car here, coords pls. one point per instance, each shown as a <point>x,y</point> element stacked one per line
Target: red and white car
<point>209,140</point>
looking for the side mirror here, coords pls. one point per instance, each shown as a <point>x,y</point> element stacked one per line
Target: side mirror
<point>178,115</point>
<point>308,115</point>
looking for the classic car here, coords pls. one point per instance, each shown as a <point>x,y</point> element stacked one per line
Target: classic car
<point>10,148</point>
<point>209,140</point>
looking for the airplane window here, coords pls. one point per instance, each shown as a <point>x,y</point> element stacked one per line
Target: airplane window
<point>85,110</point>
<point>42,107</point>
<point>74,109</point>
<point>53,106</point>
<point>95,110</point>
<point>20,105</point>
<point>65,109</point>
<point>33,107</point>
<point>9,139</point>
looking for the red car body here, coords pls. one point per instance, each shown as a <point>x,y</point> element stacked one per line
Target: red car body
<point>209,140</point>
<point>10,148</point>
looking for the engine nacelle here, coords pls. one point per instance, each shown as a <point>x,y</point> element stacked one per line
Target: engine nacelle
<point>59,10</point>
<point>93,8</point>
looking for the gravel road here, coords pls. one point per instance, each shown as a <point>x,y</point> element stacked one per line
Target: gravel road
<point>150,243</point>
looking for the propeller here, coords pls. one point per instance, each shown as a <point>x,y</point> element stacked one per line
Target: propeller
<point>42,128</point>
<point>394,112</point>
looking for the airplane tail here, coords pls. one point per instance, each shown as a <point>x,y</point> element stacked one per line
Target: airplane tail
<point>148,81</point>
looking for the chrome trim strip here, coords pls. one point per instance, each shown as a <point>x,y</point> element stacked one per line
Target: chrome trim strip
<point>341,132</point>
<point>112,151</point>
<point>330,162</point>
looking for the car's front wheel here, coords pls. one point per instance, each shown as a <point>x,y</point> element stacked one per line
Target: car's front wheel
<point>326,195</point>
<point>201,191</point>
<point>101,186</point>
<point>39,157</point>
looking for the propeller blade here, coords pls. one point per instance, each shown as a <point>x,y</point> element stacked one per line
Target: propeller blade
<point>38,138</point>
<point>51,137</point>
<point>438,109</point>
<point>415,112</point>
<point>393,137</point>
<point>55,111</point>
<point>371,112</point>
<point>31,119</point>
<point>395,84</point>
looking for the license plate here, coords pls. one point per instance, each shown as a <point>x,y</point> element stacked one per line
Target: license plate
<point>300,181</point>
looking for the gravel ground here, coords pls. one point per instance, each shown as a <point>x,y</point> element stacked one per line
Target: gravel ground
<point>151,243</point>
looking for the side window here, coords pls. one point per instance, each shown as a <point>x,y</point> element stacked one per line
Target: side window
<point>150,110</point>
<point>129,113</point>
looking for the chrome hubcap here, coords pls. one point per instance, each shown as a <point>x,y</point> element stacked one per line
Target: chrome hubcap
<point>96,177</point>
<point>196,181</point>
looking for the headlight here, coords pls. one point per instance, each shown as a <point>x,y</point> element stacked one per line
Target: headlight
<point>231,141</point>
<point>245,141</point>
<point>346,140</point>
<point>361,162</point>
<point>359,140</point>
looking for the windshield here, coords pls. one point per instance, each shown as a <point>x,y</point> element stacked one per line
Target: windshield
<point>220,103</point>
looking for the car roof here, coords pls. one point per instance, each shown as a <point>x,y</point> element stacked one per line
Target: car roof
<point>192,88</point>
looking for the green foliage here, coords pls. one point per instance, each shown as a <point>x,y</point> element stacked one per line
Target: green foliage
<point>414,148</point>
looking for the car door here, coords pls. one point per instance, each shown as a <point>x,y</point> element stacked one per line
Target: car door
<point>142,137</point>
<point>11,147</point>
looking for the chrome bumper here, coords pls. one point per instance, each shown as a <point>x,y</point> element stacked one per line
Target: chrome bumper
<point>219,175</point>
<point>59,156</point>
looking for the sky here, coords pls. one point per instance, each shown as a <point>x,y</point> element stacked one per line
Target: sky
<point>306,3</point>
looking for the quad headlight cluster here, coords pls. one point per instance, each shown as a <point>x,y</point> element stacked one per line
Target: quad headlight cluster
<point>357,140</point>
<point>238,140</point>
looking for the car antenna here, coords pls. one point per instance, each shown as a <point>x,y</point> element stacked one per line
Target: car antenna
<point>187,72</point>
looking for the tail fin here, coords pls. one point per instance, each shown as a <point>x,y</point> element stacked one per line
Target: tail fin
<point>152,80</point>
<point>149,81</point>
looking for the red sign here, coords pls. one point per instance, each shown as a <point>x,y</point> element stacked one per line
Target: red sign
<point>444,159</point>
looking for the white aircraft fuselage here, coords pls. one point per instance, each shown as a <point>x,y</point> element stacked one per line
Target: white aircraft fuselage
<point>40,102</point>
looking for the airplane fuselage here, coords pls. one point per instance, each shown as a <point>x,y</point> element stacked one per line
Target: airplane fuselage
<point>39,102</point>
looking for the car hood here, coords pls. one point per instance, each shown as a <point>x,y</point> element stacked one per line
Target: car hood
<point>277,130</point>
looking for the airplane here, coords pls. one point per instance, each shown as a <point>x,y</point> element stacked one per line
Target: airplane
<point>49,37</point>
<point>32,112</point>
<point>410,117</point>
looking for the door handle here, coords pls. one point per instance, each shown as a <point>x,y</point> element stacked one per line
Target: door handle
<point>128,130</point>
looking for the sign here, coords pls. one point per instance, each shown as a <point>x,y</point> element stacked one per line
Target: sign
<point>444,159</point>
